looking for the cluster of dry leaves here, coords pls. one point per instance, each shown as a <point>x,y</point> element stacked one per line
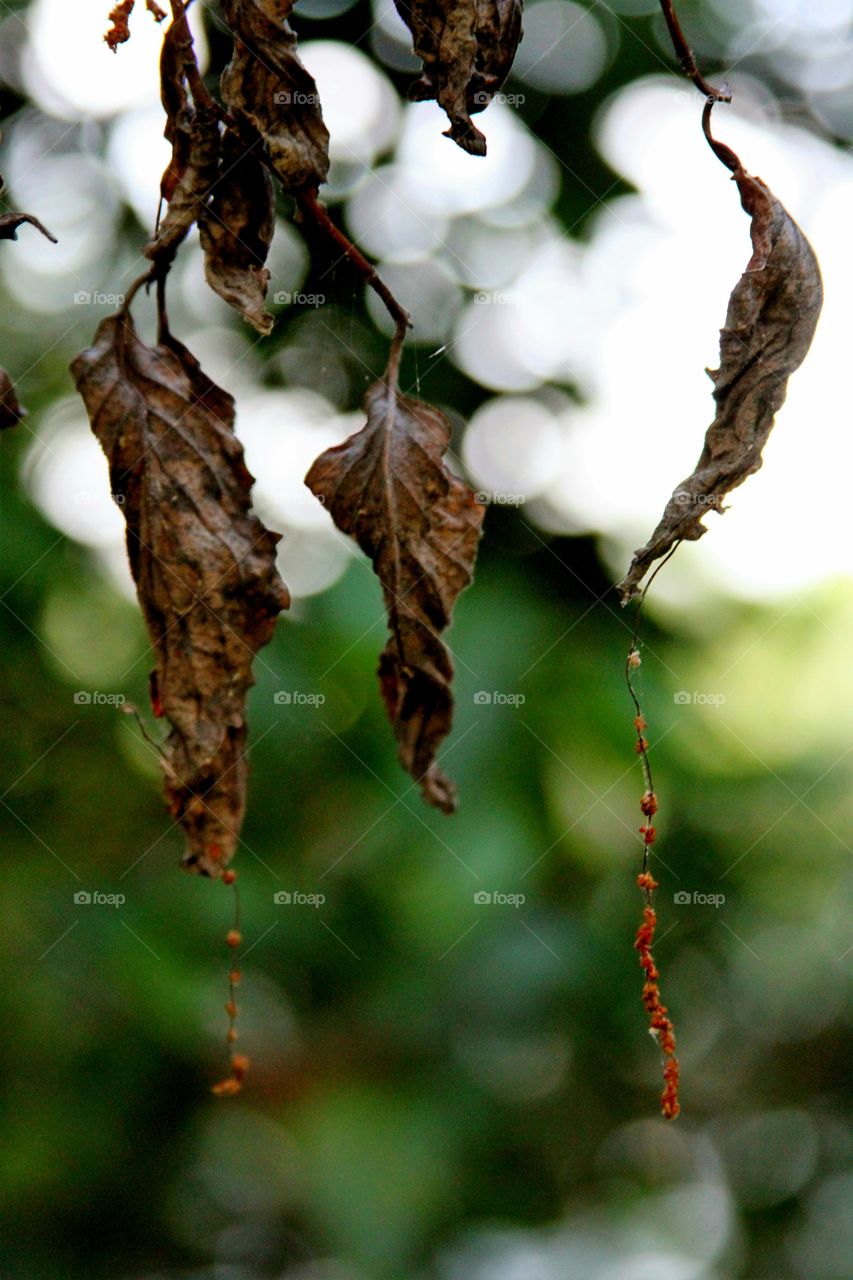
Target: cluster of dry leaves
<point>203,564</point>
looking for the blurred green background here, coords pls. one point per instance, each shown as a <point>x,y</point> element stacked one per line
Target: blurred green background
<point>442,1088</point>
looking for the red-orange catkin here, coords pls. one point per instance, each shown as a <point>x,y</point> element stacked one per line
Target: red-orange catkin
<point>661,1023</point>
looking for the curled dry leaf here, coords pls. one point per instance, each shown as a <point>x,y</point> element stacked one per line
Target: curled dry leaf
<point>191,190</point>
<point>11,412</point>
<point>387,487</point>
<point>770,323</point>
<point>203,565</point>
<point>193,131</point>
<point>268,92</point>
<point>236,230</point>
<point>467,49</point>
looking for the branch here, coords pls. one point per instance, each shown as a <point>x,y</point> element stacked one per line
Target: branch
<point>313,209</point>
<point>687,59</point>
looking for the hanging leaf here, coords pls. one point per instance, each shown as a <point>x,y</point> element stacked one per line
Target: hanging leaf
<point>203,565</point>
<point>11,412</point>
<point>269,92</point>
<point>191,190</point>
<point>387,487</point>
<point>193,131</point>
<point>467,48</point>
<point>770,323</point>
<point>236,230</point>
<point>174,95</point>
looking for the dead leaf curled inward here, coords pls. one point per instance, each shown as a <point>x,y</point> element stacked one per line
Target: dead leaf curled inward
<point>771,320</point>
<point>269,93</point>
<point>236,230</point>
<point>388,488</point>
<point>467,48</point>
<point>203,565</point>
<point>193,131</point>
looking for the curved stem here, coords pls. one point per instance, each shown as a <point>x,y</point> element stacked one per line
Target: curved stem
<point>9,223</point>
<point>317,213</point>
<point>723,153</point>
<point>687,58</point>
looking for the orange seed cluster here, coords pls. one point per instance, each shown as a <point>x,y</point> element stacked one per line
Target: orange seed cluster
<point>661,1023</point>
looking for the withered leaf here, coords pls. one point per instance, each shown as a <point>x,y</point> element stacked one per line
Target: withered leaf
<point>269,92</point>
<point>387,487</point>
<point>176,51</point>
<point>236,230</point>
<point>193,131</point>
<point>467,48</point>
<point>203,565</point>
<point>11,412</point>
<point>770,322</point>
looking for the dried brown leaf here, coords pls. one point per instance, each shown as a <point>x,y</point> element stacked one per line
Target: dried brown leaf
<point>467,48</point>
<point>203,565</point>
<point>269,92</point>
<point>11,411</point>
<point>770,323</point>
<point>193,131</point>
<point>236,230</point>
<point>387,487</point>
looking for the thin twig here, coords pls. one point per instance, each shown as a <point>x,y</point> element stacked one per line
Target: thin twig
<point>317,213</point>
<point>687,58</point>
<point>9,223</point>
<point>202,96</point>
<point>723,153</point>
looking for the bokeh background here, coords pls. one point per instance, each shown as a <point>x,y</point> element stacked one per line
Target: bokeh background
<point>443,1088</point>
